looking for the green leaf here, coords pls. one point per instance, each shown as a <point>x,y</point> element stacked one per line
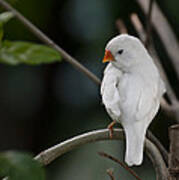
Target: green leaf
<point>17,166</point>
<point>5,17</point>
<point>19,52</point>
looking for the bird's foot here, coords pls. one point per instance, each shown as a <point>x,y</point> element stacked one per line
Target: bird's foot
<point>110,127</point>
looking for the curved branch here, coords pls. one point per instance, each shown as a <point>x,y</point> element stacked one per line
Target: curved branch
<point>47,156</point>
<point>158,162</point>
<point>160,147</point>
<point>56,151</point>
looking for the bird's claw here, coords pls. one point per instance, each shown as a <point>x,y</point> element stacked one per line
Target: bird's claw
<point>110,127</point>
<point>111,133</point>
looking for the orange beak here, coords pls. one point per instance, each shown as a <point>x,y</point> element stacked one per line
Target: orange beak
<point>108,56</point>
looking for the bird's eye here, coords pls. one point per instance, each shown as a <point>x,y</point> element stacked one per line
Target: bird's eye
<point>120,51</point>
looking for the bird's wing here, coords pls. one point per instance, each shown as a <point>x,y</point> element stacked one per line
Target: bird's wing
<point>109,91</point>
<point>140,99</point>
<point>149,101</point>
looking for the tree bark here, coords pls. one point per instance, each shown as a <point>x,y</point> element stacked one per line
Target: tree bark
<point>174,152</point>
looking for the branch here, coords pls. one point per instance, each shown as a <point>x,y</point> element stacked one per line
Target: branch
<point>49,42</point>
<point>110,173</point>
<point>138,27</point>
<point>164,31</point>
<point>148,30</point>
<point>174,153</point>
<point>157,160</point>
<point>103,154</point>
<point>121,26</point>
<point>49,155</point>
<point>160,147</point>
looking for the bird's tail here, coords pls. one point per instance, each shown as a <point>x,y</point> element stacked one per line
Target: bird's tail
<point>135,136</point>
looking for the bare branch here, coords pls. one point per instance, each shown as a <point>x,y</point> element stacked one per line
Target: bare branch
<point>110,173</point>
<point>121,26</point>
<point>49,42</point>
<point>138,26</point>
<point>159,165</point>
<point>164,31</point>
<point>49,155</point>
<point>174,152</point>
<point>103,154</point>
<point>160,147</point>
<point>148,30</point>
<point>169,109</point>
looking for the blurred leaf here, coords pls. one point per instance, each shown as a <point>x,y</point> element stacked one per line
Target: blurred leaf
<point>15,53</point>
<point>19,166</point>
<point>5,17</point>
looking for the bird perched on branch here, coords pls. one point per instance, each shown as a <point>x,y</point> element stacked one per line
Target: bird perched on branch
<point>131,90</point>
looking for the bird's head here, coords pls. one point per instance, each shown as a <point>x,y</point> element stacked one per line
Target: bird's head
<point>124,51</point>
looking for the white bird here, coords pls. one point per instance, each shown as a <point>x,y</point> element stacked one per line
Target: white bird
<point>131,91</point>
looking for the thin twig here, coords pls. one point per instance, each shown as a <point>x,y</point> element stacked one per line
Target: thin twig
<point>138,27</point>
<point>49,155</point>
<point>49,42</point>
<point>148,29</point>
<point>121,26</point>
<point>103,154</point>
<point>110,173</point>
<point>169,109</point>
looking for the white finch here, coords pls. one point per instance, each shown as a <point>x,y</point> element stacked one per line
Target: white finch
<point>131,90</point>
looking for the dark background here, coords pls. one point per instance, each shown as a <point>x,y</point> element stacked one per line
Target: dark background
<point>44,105</point>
